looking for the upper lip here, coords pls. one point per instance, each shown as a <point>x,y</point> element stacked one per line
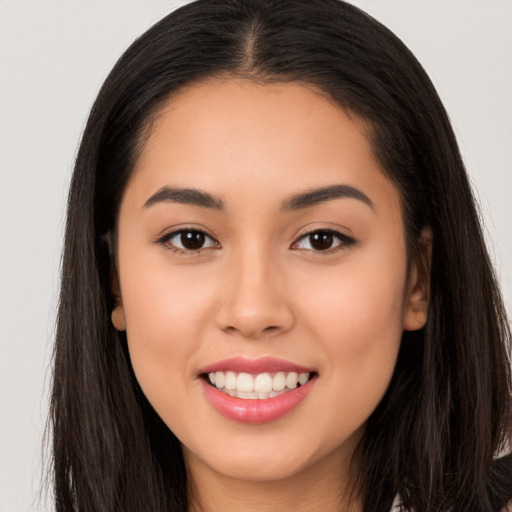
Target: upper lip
<point>254,366</point>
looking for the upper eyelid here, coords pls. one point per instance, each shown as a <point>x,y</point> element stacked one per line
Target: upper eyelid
<point>165,241</point>
<point>322,230</point>
<point>167,234</point>
<point>335,232</point>
<point>324,225</point>
<point>344,242</point>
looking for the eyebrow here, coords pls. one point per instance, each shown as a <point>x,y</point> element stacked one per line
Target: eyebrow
<point>303,200</point>
<point>321,195</point>
<point>185,196</point>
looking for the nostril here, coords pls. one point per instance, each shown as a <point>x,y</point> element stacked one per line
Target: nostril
<point>253,314</point>
<point>251,329</point>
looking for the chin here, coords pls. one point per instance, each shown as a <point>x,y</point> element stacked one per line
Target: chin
<point>277,459</point>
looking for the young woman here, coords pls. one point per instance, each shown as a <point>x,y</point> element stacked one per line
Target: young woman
<point>275,291</point>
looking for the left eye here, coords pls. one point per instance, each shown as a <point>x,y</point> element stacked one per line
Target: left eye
<point>188,240</point>
<point>322,240</point>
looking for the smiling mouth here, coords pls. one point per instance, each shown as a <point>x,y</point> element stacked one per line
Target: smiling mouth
<point>260,386</point>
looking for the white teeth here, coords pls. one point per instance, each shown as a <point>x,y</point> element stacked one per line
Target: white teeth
<point>291,380</point>
<point>260,386</point>
<point>230,382</point>
<point>250,396</point>
<point>279,381</point>
<point>245,382</point>
<point>220,377</point>
<point>263,383</point>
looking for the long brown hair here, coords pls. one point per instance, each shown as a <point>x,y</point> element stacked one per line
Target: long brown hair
<point>448,410</point>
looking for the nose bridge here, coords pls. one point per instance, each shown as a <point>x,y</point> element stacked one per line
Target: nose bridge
<point>254,303</point>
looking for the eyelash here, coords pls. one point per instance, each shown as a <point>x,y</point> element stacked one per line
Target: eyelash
<point>165,240</point>
<point>344,241</point>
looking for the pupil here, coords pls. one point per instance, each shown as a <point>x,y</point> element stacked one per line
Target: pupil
<point>192,240</point>
<point>321,240</point>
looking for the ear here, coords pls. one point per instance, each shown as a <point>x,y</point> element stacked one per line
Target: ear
<point>117,317</point>
<point>418,284</point>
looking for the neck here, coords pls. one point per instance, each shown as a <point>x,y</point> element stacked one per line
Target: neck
<point>319,487</point>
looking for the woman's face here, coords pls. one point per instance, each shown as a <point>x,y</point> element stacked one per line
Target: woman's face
<point>260,245</point>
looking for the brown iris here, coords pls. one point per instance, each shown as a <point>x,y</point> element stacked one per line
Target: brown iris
<point>321,240</point>
<point>192,240</point>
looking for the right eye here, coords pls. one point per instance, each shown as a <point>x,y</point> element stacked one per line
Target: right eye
<point>188,240</point>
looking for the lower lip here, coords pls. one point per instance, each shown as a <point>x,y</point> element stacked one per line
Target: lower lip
<point>257,410</point>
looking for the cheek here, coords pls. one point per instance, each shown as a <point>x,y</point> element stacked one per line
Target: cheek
<point>356,318</point>
<point>357,304</point>
<point>165,323</point>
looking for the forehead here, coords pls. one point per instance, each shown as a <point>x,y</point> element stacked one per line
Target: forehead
<point>227,136</point>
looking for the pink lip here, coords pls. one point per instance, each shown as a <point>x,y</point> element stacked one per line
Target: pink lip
<point>257,410</point>
<point>254,366</point>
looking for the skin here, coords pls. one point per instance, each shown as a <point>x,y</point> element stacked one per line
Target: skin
<point>259,288</point>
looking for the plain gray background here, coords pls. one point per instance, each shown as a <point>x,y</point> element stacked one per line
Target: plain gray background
<point>53,58</point>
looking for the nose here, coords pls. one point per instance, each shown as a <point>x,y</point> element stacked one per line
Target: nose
<point>254,301</point>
